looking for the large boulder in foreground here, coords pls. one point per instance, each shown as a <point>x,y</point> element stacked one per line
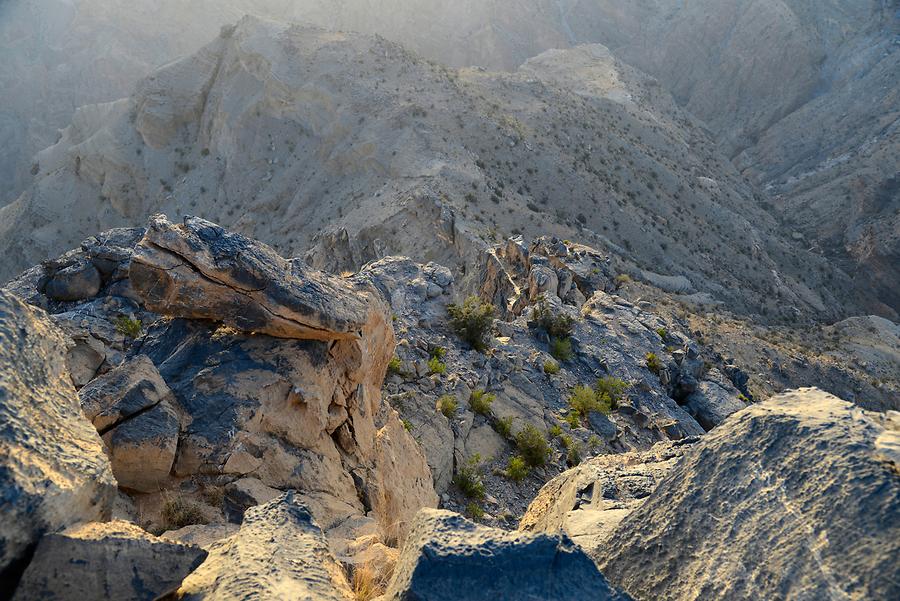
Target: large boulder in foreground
<point>114,560</point>
<point>200,270</point>
<point>794,498</point>
<point>53,471</point>
<point>447,557</point>
<point>279,553</point>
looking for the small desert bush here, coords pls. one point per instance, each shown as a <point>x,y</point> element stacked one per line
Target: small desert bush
<point>436,366</point>
<point>610,390</point>
<point>516,469</point>
<point>551,367</point>
<point>447,405</point>
<point>561,349</point>
<point>178,512</point>
<point>472,321</point>
<point>533,446</point>
<point>468,478</point>
<point>474,511</point>
<point>394,365</point>
<point>368,583</point>
<point>503,426</point>
<point>480,402</point>
<point>653,363</point>
<point>556,326</point>
<point>128,326</point>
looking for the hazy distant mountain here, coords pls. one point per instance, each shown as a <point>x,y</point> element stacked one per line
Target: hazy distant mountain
<point>349,145</point>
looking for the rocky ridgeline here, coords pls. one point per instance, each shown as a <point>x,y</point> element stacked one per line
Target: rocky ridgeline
<point>277,431</point>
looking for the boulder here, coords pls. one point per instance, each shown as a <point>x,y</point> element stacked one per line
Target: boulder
<point>447,557</point>
<point>245,493</point>
<point>131,388</point>
<point>199,270</point>
<point>53,471</point>
<point>792,498</point>
<point>142,448</point>
<point>713,401</point>
<point>279,553</point>
<point>113,560</point>
<point>589,501</point>
<point>75,282</point>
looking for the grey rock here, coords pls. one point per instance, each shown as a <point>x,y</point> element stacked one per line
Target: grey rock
<point>53,471</point>
<point>132,387</point>
<point>114,560</point>
<point>603,426</point>
<point>279,553</point>
<point>243,494</point>
<point>447,557</point>
<point>713,401</point>
<point>74,282</point>
<point>788,499</point>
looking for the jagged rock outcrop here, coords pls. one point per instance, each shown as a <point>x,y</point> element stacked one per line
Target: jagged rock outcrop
<point>279,553</point>
<point>114,560</point>
<point>193,411</point>
<point>589,501</point>
<point>448,557</point>
<point>797,498</point>
<point>199,270</point>
<point>53,472</point>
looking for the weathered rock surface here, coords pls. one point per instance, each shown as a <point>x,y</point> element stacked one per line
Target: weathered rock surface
<point>279,553</point>
<point>447,557</point>
<point>199,270</point>
<point>589,501</point>
<point>790,499</point>
<point>133,387</point>
<point>142,449</point>
<point>53,471</point>
<point>114,560</point>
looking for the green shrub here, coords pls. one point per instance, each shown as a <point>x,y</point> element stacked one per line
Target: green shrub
<point>653,363</point>
<point>533,446</point>
<point>554,431</point>
<point>480,402</point>
<point>622,279</point>
<point>394,365</point>
<point>474,511</point>
<point>516,469</point>
<point>551,367</point>
<point>593,442</point>
<point>662,333</point>
<point>573,418</point>
<point>610,390</point>
<point>503,426</point>
<point>407,425</point>
<point>436,366</point>
<point>585,399</point>
<point>472,321</point>
<point>438,352</point>
<point>447,405</point>
<point>556,326</point>
<point>468,478</point>
<point>561,349</point>
<point>128,326</point>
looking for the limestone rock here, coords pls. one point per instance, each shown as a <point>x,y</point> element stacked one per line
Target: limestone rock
<point>142,449</point>
<point>131,388</point>
<point>789,498</point>
<point>279,553</point>
<point>447,557</point>
<point>589,501</point>
<point>713,401</point>
<point>113,560</point>
<point>54,472</point>
<point>201,271</point>
<point>245,493</point>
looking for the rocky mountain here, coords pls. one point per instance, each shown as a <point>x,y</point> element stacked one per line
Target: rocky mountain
<point>352,148</point>
<point>275,429</point>
<point>832,63</point>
